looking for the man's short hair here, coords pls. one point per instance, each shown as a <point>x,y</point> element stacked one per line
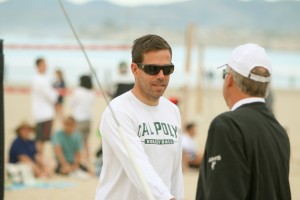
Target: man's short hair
<point>146,44</point>
<point>249,86</point>
<point>86,82</point>
<point>189,126</point>
<point>38,61</point>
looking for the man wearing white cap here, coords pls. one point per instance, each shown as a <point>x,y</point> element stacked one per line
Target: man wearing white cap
<point>247,151</point>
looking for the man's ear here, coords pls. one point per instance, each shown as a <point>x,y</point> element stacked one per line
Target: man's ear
<point>134,69</point>
<point>229,80</point>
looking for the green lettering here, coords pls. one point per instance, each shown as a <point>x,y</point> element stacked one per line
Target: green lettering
<point>139,134</point>
<point>165,129</point>
<point>157,127</point>
<point>145,129</point>
<point>175,130</point>
<point>152,133</point>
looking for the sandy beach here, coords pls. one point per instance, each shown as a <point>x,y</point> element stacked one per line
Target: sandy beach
<point>18,109</point>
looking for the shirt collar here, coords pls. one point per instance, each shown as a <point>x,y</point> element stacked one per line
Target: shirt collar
<point>247,101</point>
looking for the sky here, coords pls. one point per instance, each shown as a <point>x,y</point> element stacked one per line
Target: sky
<point>133,2</point>
<point>127,2</point>
<point>138,2</point>
<point>144,2</point>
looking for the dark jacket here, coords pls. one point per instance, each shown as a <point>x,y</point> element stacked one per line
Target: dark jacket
<point>246,157</point>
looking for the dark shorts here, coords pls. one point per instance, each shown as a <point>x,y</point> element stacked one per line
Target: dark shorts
<point>194,166</point>
<point>43,131</point>
<point>60,100</point>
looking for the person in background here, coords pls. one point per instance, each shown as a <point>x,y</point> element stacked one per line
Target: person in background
<point>82,102</point>
<point>152,126</point>
<point>99,159</point>
<point>247,153</point>
<point>60,86</point>
<point>123,82</point>
<point>191,156</point>
<point>23,150</point>
<point>44,98</point>
<point>270,101</point>
<point>67,147</point>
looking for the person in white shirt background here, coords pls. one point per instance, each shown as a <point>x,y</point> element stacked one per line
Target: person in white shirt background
<point>123,82</point>
<point>44,98</point>
<point>81,107</point>
<point>191,155</point>
<point>152,126</point>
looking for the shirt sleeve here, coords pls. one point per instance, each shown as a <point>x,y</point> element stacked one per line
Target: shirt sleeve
<point>224,172</point>
<point>47,91</point>
<point>14,152</point>
<point>111,135</point>
<point>55,139</point>
<point>177,187</point>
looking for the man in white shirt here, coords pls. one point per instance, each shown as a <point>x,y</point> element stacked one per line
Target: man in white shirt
<point>152,126</point>
<point>82,109</point>
<point>44,98</point>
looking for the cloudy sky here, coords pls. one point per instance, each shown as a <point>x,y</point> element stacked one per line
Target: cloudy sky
<point>132,2</point>
<point>139,2</point>
<point>127,2</point>
<point>144,2</point>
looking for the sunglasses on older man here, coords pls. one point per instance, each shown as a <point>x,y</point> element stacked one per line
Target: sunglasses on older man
<point>224,73</point>
<point>153,69</point>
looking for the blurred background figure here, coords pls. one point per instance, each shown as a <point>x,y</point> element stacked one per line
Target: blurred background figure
<point>123,82</point>
<point>81,105</point>
<point>67,146</point>
<point>23,151</point>
<point>60,85</point>
<point>44,98</point>
<point>99,157</point>
<point>191,157</point>
<point>270,100</point>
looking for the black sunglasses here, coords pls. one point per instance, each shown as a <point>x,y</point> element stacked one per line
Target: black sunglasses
<point>153,69</point>
<point>225,72</point>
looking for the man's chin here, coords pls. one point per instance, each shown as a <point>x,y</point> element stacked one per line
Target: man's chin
<point>159,93</point>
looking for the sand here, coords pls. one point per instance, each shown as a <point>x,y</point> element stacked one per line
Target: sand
<point>18,109</point>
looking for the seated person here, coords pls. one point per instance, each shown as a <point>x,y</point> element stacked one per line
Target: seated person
<point>67,146</point>
<point>191,157</point>
<point>23,151</point>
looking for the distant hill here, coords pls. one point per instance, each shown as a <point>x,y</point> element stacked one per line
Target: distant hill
<point>217,21</point>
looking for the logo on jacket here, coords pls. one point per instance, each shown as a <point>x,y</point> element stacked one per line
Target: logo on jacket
<point>213,160</point>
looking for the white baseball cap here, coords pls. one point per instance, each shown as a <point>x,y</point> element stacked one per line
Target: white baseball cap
<point>247,56</point>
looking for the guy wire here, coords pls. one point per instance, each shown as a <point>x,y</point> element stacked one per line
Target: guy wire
<point>87,59</point>
<point>137,168</point>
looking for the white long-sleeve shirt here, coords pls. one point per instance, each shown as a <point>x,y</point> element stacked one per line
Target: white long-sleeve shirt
<point>154,133</point>
<point>44,98</point>
<point>82,104</point>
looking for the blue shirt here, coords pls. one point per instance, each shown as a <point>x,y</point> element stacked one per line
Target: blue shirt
<point>69,143</point>
<point>22,147</point>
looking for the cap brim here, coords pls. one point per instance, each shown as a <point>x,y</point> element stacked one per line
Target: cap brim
<point>225,65</point>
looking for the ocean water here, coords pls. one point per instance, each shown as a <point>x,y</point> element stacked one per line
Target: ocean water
<point>21,53</point>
